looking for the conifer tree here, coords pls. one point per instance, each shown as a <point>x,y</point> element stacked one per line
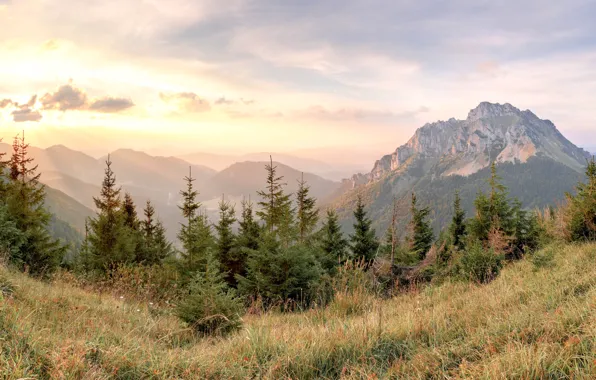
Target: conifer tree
<point>39,254</point>
<point>211,307</point>
<point>276,210</point>
<point>156,247</point>
<point>129,209</point>
<point>148,224</point>
<point>249,231</point>
<point>332,242</point>
<point>421,237</point>
<point>226,242</point>
<point>110,241</point>
<point>307,213</point>
<point>364,243</point>
<point>493,212</point>
<point>457,229</point>
<point>582,207</point>
<point>195,235</point>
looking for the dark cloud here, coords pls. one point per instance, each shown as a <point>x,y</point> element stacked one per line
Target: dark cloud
<point>26,114</point>
<point>111,105</point>
<point>186,101</point>
<point>65,98</point>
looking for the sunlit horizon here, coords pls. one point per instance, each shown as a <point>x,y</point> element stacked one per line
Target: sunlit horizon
<point>242,77</point>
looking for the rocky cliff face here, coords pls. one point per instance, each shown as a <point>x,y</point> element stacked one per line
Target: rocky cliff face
<point>498,132</point>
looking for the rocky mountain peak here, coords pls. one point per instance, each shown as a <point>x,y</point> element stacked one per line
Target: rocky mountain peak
<point>487,110</point>
<point>491,131</point>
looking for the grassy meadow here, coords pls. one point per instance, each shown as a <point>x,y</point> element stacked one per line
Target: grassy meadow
<point>536,320</point>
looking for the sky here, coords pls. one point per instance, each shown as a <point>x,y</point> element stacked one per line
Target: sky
<point>348,78</point>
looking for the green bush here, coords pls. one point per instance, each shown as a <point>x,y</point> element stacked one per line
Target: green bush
<point>211,307</point>
<point>479,264</point>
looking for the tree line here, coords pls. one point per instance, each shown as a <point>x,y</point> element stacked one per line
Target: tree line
<point>277,252</point>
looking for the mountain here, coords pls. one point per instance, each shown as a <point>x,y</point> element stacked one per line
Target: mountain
<point>246,178</point>
<point>535,160</point>
<point>67,209</point>
<point>219,162</point>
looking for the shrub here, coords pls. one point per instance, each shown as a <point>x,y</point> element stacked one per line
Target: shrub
<point>211,307</point>
<point>280,275</point>
<point>479,264</point>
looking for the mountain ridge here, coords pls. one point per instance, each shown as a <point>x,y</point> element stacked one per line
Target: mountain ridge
<point>455,155</point>
<point>492,131</point>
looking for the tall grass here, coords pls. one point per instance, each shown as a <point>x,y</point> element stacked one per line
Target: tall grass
<point>533,321</point>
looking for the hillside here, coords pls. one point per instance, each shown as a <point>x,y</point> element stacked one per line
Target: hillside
<point>246,178</point>
<point>67,209</point>
<point>531,322</point>
<point>537,163</point>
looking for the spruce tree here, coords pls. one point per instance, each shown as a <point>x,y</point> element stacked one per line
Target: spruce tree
<point>195,235</point>
<point>457,229</point>
<point>226,241</point>
<point>211,307</point>
<point>363,241</point>
<point>156,246</point>
<point>332,242</point>
<point>307,213</point>
<point>493,212</point>
<point>39,254</point>
<point>129,209</point>
<point>249,231</point>
<point>582,207</point>
<point>276,210</point>
<point>421,237</point>
<point>110,240</point>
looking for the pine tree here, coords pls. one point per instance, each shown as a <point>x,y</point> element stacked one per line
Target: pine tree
<point>333,243</point>
<point>457,229</point>
<point>364,243</point>
<point>129,209</point>
<point>111,243</point>
<point>278,274</point>
<point>307,213</point>
<point>582,207</point>
<point>211,308</point>
<point>249,231</point>
<point>156,246</point>
<point>195,235</point>
<point>39,254</point>
<point>276,207</point>
<point>226,242</point>
<point>421,233</point>
<point>493,212</point>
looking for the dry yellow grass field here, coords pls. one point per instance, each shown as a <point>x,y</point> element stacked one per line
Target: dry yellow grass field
<point>536,320</point>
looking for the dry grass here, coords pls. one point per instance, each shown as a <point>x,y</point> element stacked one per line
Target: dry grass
<point>528,323</point>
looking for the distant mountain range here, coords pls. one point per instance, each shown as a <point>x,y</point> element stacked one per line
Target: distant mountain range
<point>536,161</point>
<point>332,171</point>
<point>74,178</point>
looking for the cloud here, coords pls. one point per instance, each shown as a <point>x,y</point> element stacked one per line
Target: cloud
<point>68,98</point>
<point>186,101</point>
<point>319,112</point>
<point>26,114</point>
<point>65,98</point>
<point>110,105</point>
<point>5,103</point>
<point>224,101</point>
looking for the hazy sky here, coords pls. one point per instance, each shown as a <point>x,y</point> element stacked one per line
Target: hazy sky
<point>254,75</point>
